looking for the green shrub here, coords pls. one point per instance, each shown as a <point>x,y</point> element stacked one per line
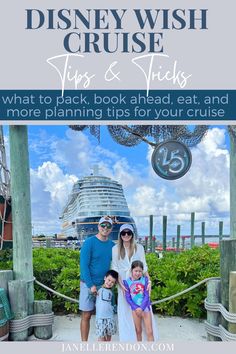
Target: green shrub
<point>68,283</point>
<point>176,272</point>
<point>56,268</point>
<point>59,269</point>
<point>6,259</point>
<point>5,255</point>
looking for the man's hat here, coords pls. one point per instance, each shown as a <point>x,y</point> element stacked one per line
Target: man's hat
<point>105,219</point>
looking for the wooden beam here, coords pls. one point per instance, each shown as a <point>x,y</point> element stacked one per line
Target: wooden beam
<point>5,277</point>
<point>164,234</point>
<point>232,300</point>
<point>232,186</point>
<point>227,264</point>
<point>192,229</point>
<point>213,296</point>
<point>21,209</point>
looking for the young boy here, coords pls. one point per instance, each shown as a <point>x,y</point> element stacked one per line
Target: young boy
<point>105,323</point>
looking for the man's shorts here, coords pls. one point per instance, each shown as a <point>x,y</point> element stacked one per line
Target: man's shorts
<point>86,299</point>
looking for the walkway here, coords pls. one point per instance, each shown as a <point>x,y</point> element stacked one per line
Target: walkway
<point>67,328</point>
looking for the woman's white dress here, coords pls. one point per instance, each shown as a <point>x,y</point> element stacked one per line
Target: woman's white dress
<point>125,319</point>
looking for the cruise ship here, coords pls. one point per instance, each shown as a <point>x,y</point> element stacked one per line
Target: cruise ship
<point>91,198</point>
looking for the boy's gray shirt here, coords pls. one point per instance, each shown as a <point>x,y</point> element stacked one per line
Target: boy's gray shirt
<point>104,308</point>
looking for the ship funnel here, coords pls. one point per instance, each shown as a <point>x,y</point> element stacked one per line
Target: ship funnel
<point>95,170</point>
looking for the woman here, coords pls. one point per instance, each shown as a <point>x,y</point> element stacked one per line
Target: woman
<point>123,254</point>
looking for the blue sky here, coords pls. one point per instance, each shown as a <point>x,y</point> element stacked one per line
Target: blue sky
<point>59,155</point>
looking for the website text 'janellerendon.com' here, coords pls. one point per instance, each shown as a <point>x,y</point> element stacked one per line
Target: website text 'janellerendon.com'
<point>117,347</point>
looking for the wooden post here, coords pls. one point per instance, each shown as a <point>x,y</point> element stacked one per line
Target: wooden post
<point>43,307</point>
<point>21,209</point>
<point>164,227</point>
<point>173,242</point>
<point>48,243</point>
<point>150,231</point>
<point>18,296</point>
<point>227,264</point>
<point>146,243</point>
<point>232,186</point>
<point>178,238</point>
<point>220,230</point>
<point>5,277</point>
<point>153,244</point>
<point>183,243</point>
<point>213,296</point>
<point>232,300</point>
<point>203,232</point>
<point>192,229</point>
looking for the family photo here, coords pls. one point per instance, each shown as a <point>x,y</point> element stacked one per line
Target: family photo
<point>117,177</point>
<point>129,271</point>
<point>98,246</point>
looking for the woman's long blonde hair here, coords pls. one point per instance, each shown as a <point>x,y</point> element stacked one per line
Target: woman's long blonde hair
<point>121,248</point>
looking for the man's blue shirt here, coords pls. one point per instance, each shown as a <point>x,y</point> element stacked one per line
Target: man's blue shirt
<point>95,260</point>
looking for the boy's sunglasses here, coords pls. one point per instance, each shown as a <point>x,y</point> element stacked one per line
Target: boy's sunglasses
<point>129,233</point>
<point>108,226</point>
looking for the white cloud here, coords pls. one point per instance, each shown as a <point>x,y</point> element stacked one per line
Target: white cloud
<point>204,189</point>
<point>74,152</point>
<point>50,188</point>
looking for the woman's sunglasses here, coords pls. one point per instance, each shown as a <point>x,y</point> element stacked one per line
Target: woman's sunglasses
<point>129,233</point>
<point>108,226</point>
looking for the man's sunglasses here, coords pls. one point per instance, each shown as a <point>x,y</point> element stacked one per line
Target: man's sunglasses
<point>108,226</point>
<point>129,233</point>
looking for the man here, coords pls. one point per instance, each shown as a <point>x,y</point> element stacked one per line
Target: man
<point>95,260</point>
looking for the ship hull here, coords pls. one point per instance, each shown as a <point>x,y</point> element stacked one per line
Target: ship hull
<point>88,227</point>
<point>91,198</point>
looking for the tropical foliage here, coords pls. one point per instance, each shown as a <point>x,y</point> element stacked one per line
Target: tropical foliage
<point>59,269</point>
